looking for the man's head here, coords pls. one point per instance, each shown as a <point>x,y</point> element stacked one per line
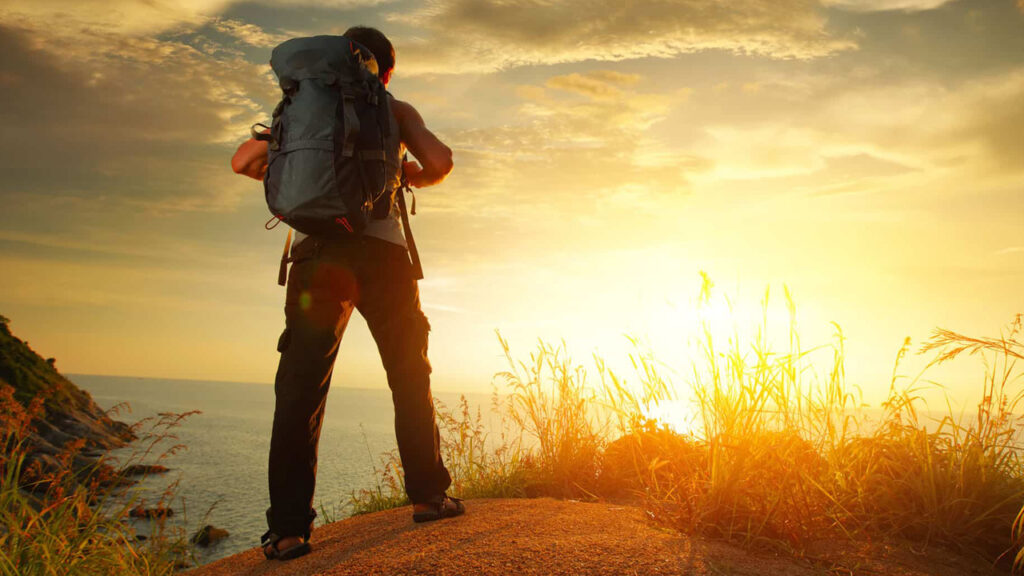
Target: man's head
<point>381,47</point>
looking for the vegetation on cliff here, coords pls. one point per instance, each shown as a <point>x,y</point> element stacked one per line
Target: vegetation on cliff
<point>68,411</point>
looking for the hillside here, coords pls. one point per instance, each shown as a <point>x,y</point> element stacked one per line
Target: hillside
<point>69,413</point>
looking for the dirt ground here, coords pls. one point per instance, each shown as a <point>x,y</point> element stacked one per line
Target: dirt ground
<point>553,537</point>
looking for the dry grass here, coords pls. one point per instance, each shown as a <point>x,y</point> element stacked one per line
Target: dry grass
<point>63,520</point>
<point>783,452</point>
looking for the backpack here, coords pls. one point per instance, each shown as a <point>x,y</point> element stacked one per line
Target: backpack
<point>327,169</point>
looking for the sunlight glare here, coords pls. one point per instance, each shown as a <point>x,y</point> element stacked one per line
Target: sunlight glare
<point>679,416</point>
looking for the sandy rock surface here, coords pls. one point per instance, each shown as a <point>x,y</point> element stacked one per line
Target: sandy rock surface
<point>548,537</point>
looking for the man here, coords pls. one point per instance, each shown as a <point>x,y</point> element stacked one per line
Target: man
<point>330,277</point>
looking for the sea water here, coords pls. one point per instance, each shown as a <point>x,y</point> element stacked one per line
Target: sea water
<point>221,467</point>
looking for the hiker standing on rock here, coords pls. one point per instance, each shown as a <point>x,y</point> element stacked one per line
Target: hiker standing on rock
<point>333,169</point>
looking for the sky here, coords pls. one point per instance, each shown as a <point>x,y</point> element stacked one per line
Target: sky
<point>867,156</point>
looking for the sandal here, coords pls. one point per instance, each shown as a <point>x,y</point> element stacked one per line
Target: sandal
<point>272,552</point>
<point>443,506</point>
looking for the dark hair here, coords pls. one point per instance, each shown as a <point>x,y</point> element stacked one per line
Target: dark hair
<point>377,42</point>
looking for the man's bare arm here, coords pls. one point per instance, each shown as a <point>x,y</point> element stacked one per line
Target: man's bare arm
<point>435,157</point>
<point>251,159</point>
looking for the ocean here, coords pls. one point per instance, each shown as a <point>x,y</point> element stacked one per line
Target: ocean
<point>221,472</point>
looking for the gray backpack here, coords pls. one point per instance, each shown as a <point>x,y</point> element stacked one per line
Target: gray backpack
<point>327,169</point>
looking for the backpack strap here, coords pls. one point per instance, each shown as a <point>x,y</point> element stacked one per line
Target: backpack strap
<point>351,120</point>
<point>260,135</point>
<point>383,112</point>
<point>417,267</point>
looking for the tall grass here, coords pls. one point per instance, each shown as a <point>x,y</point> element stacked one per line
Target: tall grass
<point>783,451</point>
<point>480,466</point>
<point>786,454</point>
<point>62,520</point>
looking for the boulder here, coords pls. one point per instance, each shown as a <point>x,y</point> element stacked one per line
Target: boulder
<point>158,512</point>
<point>208,535</point>
<point>143,469</point>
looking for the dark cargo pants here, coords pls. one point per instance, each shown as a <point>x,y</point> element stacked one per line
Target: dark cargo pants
<point>328,279</point>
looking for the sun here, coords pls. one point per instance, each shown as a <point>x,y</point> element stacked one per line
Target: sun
<point>680,416</point>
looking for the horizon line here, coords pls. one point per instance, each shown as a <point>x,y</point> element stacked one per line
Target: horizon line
<point>68,375</point>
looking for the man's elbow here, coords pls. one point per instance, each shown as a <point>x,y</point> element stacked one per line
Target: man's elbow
<point>241,161</point>
<point>237,165</point>
<point>443,165</point>
<point>447,164</point>
<point>434,172</point>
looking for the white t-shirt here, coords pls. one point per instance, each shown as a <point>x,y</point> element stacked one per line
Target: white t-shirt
<point>389,229</point>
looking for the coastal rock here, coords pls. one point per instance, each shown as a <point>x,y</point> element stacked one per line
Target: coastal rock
<point>91,424</point>
<point>51,434</point>
<point>157,512</point>
<point>208,535</point>
<point>38,469</point>
<point>143,469</point>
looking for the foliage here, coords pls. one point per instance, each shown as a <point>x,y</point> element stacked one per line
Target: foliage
<point>32,377</point>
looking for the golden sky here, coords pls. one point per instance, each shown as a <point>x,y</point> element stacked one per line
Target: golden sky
<point>866,154</point>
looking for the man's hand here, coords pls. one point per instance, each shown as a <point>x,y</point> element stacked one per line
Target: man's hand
<point>412,172</point>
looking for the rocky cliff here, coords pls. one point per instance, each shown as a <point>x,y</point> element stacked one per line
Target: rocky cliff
<point>68,413</point>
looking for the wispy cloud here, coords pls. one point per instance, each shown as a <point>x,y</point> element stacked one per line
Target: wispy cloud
<point>468,35</point>
<point>963,128</point>
<point>970,127</point>
<point>886,5</point>
<point>140,17</point>
<point>129,17</point>
<point>599,85</point>
<point>249,34</point>
<point>579,147</point>
<point>140,119</point>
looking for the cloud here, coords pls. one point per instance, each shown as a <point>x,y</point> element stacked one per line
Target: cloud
<point>579,148</point>
<point>989,112</point>
<point>133,17</point>
<point>131,119</point>
<point>886,5</point>
<point>600,85</point>
<point>141,17</point>
<point>972,126</point>
<point>764,151</point>
<point>468,35</point>
<point>891,130</point>
<point>249,33</point>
